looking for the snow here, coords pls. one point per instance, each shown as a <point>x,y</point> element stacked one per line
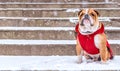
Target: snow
<point>58,18</point>
<point>36,42</point>
<point>75,19</point>
<point>57,3</point>
<point>112,28</point>
<point>44,42</point>
<point>104,19</point>
<point>73,10</point>
<point>38,28</point>
<point>54,63</point>
<point>67,9</point>
<point>71,19</point>
<point>50,28</point>
<point>25,19</point>
<point>114,41</point>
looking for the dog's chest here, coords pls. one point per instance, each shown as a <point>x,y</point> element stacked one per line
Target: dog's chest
<point>87,43</point>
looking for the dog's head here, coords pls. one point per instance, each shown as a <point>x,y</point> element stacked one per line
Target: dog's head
<point>88,21</point>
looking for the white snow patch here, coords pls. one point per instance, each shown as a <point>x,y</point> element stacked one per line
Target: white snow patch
<point>114,41</point>
<point>54,63</point>
<point>37,28</point>
<point>73,20</point>
<point>44,42</point>
<point>36,42</point>
<point>50,28</point>
<point>25,19</point>
<point>104,19</point>
<point>112,28</point>
<point>57,18</point>
<point>57,3</point>
<point>72,10</point>
<point>56,9</point>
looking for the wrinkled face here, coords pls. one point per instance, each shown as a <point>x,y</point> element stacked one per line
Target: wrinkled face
<point>88,21</point>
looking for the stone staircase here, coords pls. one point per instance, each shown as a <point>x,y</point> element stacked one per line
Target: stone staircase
<point>46,27</point>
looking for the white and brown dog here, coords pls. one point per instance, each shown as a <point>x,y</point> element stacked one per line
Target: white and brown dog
<point>91,39</point>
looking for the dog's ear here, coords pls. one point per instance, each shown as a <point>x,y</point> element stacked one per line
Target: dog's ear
<point>79,12</point>
<point>97,12</point>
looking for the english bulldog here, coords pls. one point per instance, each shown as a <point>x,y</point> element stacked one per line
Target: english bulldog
<point>91,39</point>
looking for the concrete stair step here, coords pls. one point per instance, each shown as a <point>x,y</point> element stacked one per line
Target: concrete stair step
<point>51,21</point>
<point>54,12</point>
<point>55,63</point>
<point>45,47</point>
<point>115,1</point>
<point>52,1</point>
<point>53,33</point>
<point>59,5</point>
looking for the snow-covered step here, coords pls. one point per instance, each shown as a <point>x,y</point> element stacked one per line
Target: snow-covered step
<point>53,12</point>
<point>51,21</point>
<point>44,47</point>
<point>116,1</point>
<point>14,3</point>
<point>58,1</point>
<point>49,28</point>
<point>66,63</point>
<point>55,18</point>
<point>37,42</point>
<point>59,9</point>
<point>53,33</point>
<point>59,5</point>
<point>45,42</point>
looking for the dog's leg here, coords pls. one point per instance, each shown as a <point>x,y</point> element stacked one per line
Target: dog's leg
<point>79,52</point>
<point>103,54</point>
<point>100,42</point>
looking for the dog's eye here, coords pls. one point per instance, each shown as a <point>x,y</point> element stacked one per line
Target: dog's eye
<point>92,14</point>
<point>81,14</point>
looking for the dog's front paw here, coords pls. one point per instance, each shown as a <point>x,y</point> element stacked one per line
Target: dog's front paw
<point>103,62</point>
<point>79,61</point>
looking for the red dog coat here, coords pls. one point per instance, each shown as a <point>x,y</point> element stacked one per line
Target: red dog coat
<point>87,41</point>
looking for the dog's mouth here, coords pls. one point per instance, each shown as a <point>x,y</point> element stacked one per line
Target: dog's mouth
<point>87,29</point>
<point>87,32</point>
<point>86,22</point>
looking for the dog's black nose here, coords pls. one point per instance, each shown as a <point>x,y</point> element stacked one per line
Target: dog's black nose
<point>86,16</point>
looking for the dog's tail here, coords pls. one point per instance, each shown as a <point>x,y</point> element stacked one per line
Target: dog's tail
<point>110,51</point>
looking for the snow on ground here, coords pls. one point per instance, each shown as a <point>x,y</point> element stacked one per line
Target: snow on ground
<point>54,63</point>
<point>50,28</point>
<point>44,42</point>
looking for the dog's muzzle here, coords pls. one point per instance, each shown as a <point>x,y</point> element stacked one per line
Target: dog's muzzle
<point>86,20</point>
